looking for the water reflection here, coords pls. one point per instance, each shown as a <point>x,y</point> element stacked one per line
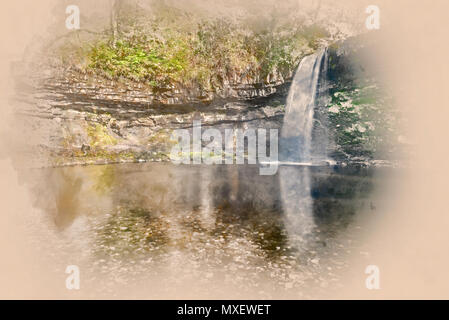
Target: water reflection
<point>297,201</point>
<point>205,220</point>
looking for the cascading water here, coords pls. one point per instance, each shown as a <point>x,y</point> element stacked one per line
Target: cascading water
<point>296,134</point>
<point>296,146</point>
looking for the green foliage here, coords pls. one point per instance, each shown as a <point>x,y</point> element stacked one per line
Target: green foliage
<point>156,63</point>
<point>207,54</point>
<point>313,34</point>
<point>362,119</point>
<point>99,136</point>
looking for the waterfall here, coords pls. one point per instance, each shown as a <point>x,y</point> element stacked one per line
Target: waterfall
<point>296,134</point>
<point>296,143</point>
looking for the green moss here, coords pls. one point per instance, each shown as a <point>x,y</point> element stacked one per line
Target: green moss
<point>162,138</point>
<point>99,136</point>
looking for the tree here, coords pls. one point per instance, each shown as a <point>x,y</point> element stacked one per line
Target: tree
<point>115,20</point>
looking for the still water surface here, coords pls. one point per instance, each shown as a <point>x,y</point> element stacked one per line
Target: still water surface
<point>160,230</point>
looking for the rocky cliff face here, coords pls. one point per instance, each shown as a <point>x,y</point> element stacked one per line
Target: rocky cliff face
<point>83,119</point>
<point>362,121</point>
<point>79,118</point>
